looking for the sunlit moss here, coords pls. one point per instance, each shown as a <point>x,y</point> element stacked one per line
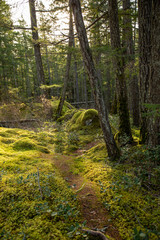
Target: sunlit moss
<point>121,191</point>
<point>24,214</point>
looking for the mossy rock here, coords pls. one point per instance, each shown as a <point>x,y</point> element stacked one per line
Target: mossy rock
<point>24,144</point>
<point>84,119</point>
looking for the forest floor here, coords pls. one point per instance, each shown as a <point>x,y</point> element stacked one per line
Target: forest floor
<point>56,179</point>
<point>93,212</point>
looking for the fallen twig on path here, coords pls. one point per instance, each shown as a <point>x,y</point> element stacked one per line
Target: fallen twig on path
<point>96,234</point>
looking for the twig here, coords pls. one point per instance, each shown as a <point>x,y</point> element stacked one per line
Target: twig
<point>78,190</point>
<point>39,185</point>
<point>96,234</point>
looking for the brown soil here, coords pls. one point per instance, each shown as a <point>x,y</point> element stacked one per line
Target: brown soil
<point>92,209</point>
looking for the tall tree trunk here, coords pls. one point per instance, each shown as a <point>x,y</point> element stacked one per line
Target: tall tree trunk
<point>113,151</point>
<point>145,16</point>
<point>130,62</point>
<point>154,84</point>
<point>37,51</point>
<point>149,31</point>
<point>124,122</point>
<point>68,65</point>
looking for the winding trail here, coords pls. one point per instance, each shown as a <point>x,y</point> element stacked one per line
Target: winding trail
<point>91,208</point>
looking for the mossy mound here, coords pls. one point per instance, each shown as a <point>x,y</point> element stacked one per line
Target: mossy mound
<point>7,140</point>
<point>84,119</point>
<point>24,144</point>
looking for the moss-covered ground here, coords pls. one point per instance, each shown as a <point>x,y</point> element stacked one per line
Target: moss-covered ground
<point>35,200</point>
<point>129,188</point>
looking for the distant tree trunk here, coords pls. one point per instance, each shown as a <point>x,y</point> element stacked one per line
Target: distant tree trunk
<point>68,65</point>
<point>145,15</point>
<point>76,72</point>
<point>113,151</point>
<point>108,90</point>
<point>85,86</point>
<point>124,122</point>
<point>130,61</point>
<point>37,51</point>
<point>149,62</point>
<point>28,84</point>
<point>49,71</point>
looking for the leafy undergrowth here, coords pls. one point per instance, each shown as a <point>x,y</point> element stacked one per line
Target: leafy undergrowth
<point>35,202</point>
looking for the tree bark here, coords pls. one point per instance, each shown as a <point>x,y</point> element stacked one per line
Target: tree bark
<point>113,151</point>
<point>153,122</point>
<point>145,15</point>
<point>37,51</point>
<point>118,61</point>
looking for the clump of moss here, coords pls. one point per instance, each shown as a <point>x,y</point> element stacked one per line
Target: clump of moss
<point>7,140</point>
<point>67,115</point>
<point>43,149</point>
<point>24,144</point>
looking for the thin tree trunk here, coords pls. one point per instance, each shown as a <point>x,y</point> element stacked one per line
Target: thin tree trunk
<point>37,51</point>
<point>85,86</point>
<point>68,65</point>
<point>76,72</point>
<point>28,85</point>
<point>113,151</point>
<point>124,122</point>
<point>130,62</point>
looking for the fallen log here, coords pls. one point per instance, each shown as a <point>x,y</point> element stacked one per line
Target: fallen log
<point>16,122</point>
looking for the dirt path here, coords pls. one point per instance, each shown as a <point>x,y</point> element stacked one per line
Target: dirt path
<point>92,209</point>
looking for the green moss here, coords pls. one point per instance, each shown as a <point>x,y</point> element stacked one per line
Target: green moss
<point>68,115</point>
<point>7,140</point>
<point>118,184</point>
<point>24,214</point>
<point>24,144</point>
<point>43,149</point>
<point>84,119</point>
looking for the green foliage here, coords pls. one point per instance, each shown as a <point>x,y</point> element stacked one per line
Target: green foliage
<point>153,110</point>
